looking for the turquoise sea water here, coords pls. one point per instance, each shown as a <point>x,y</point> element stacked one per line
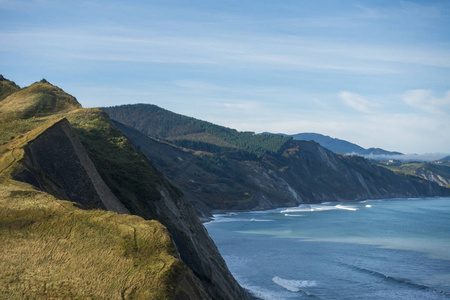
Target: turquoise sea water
<point>374,249</point>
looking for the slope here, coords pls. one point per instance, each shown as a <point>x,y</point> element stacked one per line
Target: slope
<point>193,133</point>
<point>53,250</point>
<point>32,156</point>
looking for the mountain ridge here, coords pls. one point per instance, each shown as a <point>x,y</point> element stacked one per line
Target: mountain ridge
<point>341,146</point>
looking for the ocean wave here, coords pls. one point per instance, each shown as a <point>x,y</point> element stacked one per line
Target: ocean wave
<point>309,208</point>
<point>257,291</point>
<point>289,215</point>
<point>228,219</point>
<point>294,285</point>
<point>260,293</point>
<point>346,207</point>
<point>397,280</point>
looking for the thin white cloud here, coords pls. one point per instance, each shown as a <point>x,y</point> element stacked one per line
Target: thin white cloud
<point>357,102</point>
<point>242,106</point>
<point>231,49</point>
<point>425,100</point>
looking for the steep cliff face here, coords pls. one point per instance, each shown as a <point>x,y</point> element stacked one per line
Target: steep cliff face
<point>122,167</point>
<point>56,162</point>
<point>330,177</point>
<point>304,173</point>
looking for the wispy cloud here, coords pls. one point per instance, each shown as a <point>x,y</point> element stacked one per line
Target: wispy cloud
<point>232,49</point>
<point>425,100</point>
<point>357,102</point>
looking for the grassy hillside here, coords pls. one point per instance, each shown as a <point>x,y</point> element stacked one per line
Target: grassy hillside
<point>31,107</point>
<point>171,257</point>
<point>52,248</point>
<point>193,133</point>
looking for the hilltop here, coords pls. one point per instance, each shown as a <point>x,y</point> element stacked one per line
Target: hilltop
<point>193,133</point>
<point>80,203</point>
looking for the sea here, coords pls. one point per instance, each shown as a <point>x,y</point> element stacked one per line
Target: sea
<point>373,249</point>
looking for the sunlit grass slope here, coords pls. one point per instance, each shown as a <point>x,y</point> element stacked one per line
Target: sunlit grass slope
<point>31,107</point>
<point>52,249</point>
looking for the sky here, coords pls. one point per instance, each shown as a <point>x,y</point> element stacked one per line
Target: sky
<point>375,73</point>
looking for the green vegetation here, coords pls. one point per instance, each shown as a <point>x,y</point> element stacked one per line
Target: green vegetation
<point>51,248</point>
<point>186,131</point>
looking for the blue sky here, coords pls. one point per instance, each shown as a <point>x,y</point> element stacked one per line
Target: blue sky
<point>376,73</point>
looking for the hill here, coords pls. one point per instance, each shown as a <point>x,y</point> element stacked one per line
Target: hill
<point>301,172</point>
<point>341,146</point>
<point>56,152</point>
<point>193,133</point>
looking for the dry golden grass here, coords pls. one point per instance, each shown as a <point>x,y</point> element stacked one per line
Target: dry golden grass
<point>51,249</point>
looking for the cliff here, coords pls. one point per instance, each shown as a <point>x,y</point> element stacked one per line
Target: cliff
<point>302,172</point>
<point>69,153</point>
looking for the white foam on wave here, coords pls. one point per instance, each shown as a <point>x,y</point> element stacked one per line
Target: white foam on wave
<point>227,218</point>
<point>368,205</point>
<point>372,200</point>
<point>291,210</point>
<point>260,293</point>
<point>257,291</point>
<point>309,208</point>
<point>290,215</point>
<point>293,285</point>
<point>346,207</point>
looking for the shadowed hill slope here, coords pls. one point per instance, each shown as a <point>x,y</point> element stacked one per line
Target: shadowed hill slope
<point>101,167</point>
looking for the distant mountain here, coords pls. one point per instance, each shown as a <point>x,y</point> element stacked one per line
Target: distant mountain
<point>341,146</point>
